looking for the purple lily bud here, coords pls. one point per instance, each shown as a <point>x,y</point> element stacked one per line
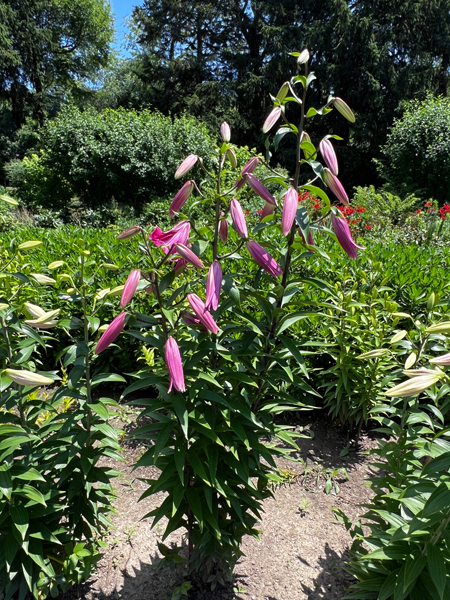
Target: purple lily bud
<point>248,168</point>
<point>237,214</point>
<point>329,156</point>
<point>186,166</point>
<point>223,229</point>
<point>188,255</point>
<point>190,319</point>
<point>225,132</point>
<point>441,360</point>
<point>114,329</point>
<point>267,210</point>
<point>272,118</point>
<point>335,186</point>
<point>344,109</point>
<point>177,235</point>
<point>259,188</point>
<point>180,197</point>
<point>264,259</point>
<point>310,238</point>
<point>174,365</point>
<point>213,285</point>
<point>344,236</point>
<point>205,317</point>
<point>289,210</point>
<point>130,287</point>
<point>129,233</point>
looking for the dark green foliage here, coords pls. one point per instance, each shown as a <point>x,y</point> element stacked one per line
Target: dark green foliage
<point>120,154</point>
<point>384,207</point>
<point>416,154</point>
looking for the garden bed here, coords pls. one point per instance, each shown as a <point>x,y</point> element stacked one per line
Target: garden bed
<point>301,551</point>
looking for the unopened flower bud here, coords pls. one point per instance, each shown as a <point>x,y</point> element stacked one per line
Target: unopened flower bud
<point>303,58</point>
<point>344,109</point>
<point>225,132</point>
<point>271,119</point>
<point>231,155</point>
<point>186,165</point>
<point>129,233</point>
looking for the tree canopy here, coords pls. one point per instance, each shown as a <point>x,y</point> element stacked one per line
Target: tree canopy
<point>47,48</point>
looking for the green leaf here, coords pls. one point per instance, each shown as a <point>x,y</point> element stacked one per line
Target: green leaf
<point>19,515</point>
<point>30,492</point>
<point>437,568</point>
<point>293,349</point>
<point>106,378</point>
<point>5,482</point>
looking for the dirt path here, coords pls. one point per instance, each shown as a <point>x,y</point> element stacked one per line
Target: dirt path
<point>300,552</point>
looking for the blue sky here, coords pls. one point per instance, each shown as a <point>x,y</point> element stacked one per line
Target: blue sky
<point>122,10</point>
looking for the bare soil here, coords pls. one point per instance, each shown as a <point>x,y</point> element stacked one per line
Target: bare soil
<point>301,552</point>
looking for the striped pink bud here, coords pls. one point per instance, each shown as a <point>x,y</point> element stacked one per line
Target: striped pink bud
<point>188,255</point>
<point>225,132</point>
<point>289,210</point>
<point>344,236</point>
<point>267,210</point>
<point>213,285</point>
<point>174,366</point>
<point>335,186</point>
<point>329,156</point>
<point>259,188</point>
<point>272,118</point>
<point>180,198</point>
<point>130,287</point>
<point>237,214</point>
<point>344,109</point>
<point>264,259</point>
<point>129,233</point>
<point>114,329</point>
<point>248,168</point>
<point>202,314</point>
<point>186,165</point>
<point>223,229</point>
<point>441,360</point>
<point>190,319</point>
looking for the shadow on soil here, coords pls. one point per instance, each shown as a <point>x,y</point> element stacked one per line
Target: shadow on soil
<point>332,582</point>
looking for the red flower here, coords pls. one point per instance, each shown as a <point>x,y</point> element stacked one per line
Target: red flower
<point>247,212</point>
<point>360,209</point>
<point>419,210</point>
<point>368,226</point>
<point>428,203</point>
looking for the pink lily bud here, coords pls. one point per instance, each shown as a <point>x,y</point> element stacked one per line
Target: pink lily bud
<point>130,287</point>
<point>180,198</point>
<point>188,255</point>
<point>344,236</point>
<point>335,186</point>
<point>329,156</point>
<point>237,214</point>
<point>310,238</point>
<point>177,235</point>
<point>267,210</point>
<point>271,119</point>
<point>289,210</point>
<point>213,285</point>
<point>248,168</point>
<point>201,313</point>
<point>259,188</point>
<point>186,166</point>
<point>264,259</point>
<point>179,266</point>
<point>129,233</point>
<point>225,132</point>
<point>223,229</point>
<point>441,360</point>
<point>174,365</point>
<point>344,109</point>
<point>114,329</point>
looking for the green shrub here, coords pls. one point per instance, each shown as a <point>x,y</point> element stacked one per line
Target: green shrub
<point>417,151</point>
<point>37,184</point>
<point>120,154</point>
<point>384,206</point>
